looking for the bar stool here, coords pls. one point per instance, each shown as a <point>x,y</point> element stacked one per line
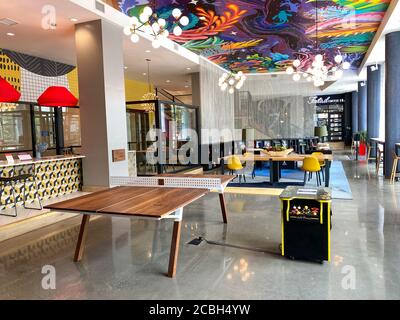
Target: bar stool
<point>22,177</point>
<point>369,149</point>
<point>379,158</point>
<point>394,168</point>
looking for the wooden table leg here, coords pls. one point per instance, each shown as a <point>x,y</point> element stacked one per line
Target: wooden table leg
<point>223,207</point>
<point>80,245</point>
<point>173,257</point>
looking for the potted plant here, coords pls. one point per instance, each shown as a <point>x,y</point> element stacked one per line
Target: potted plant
<point>362,135</point>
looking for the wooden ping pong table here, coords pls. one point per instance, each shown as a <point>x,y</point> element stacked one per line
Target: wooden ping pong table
<point>154,198</point>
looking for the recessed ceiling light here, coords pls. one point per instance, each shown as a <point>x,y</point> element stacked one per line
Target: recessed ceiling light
<point>144,73</point>
<point>125,67</point>
<point>148,51</point>
<point>188,68</point>
<point>74,19</point>
<point>10,34</point>
<point>168,81</point>
<point>186,86</point>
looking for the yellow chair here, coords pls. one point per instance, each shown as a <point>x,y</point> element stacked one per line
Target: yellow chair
<point>310,165</point>
<point>235,166</point>
<point>321,162</point>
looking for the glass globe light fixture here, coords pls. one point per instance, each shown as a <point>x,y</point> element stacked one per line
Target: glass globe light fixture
<point>135,38</point>
<point>178,31</point>
<point>176,13</point>
<point>290,70</point>
<point>155,27</point>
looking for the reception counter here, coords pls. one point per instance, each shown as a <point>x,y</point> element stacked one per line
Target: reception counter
<point>55,176</point>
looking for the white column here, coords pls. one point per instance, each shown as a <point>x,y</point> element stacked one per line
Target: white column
<point>99,51</point>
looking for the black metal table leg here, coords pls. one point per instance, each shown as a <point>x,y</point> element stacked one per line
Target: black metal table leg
<point>222,164</point>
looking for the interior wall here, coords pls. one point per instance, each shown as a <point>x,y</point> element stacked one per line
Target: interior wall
<point>134,90</point>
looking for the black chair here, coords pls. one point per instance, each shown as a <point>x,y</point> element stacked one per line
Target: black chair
<point>24,175</point>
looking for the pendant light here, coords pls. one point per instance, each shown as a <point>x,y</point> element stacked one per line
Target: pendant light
<point>8,96</point>
<point>149,95</point>
<point>57,96</point>
<point>152,25</point>
<point>231,80</point>
<point>316,69</point>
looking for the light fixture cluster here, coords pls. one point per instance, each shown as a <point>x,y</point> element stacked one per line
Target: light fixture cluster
<point>149,23</point>
<point>6,106</point>
<point>317,70</point>
<point>231,81</point>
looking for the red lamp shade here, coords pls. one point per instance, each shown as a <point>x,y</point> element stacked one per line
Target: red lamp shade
<point>57,97</point>
<point>8,92</point>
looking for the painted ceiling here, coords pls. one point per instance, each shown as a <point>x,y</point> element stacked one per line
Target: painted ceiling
<point>257,36</point>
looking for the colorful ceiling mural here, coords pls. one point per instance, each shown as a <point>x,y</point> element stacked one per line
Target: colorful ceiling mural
<point>257,36</point>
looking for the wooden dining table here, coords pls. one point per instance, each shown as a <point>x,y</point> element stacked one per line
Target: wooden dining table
<point>276,161</point>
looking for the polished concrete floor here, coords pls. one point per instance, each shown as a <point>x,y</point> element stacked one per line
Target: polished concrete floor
<point>128,259</point>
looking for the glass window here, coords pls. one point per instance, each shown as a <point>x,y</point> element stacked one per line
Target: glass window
<point>45,128</point>
<point>15,129</point>
<point>178,124</point>
<point>72,127</point>
<point>139,123</point>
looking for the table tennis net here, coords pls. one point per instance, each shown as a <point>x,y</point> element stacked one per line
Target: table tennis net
<point>172,182</point>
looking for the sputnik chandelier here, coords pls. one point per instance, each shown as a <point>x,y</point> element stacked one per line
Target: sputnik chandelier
<point>151,24</point>
<point>314,67</point>
<point>318,70</point>
<point>232,81</point>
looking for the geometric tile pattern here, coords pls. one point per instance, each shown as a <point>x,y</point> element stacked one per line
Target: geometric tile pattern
<point>53,178</point>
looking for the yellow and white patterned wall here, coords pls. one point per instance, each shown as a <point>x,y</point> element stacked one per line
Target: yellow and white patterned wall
<point>32,85</point>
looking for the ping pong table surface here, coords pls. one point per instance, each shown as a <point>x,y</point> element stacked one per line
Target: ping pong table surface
<point>147,202</point>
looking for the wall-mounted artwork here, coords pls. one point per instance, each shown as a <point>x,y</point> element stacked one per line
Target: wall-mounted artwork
<point>265,36</point>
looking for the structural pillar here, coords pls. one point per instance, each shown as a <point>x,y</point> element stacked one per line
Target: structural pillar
<point>392,90</point>
<point>100,65</point>
<point>362,106</point>
<point>374,100</point>
<point>354,112</point>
